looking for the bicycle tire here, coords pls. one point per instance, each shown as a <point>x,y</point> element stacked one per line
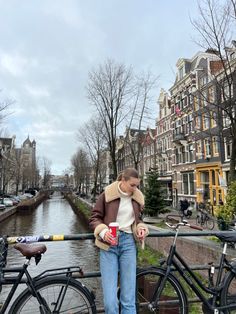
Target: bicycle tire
<point>173,297</point>
<point>210,224</point>
<point>198,220</point>
<point>228,294</point>
<point>77,298</point>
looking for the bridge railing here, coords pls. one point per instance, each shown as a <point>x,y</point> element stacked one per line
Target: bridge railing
<point>90,236</point>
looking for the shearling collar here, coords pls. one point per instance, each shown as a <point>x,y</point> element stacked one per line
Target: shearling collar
<point>111,193</point>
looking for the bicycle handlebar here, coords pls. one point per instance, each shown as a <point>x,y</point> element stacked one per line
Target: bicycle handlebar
<point>177,224</point>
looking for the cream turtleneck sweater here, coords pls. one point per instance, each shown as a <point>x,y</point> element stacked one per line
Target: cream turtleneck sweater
<point>125,216</point>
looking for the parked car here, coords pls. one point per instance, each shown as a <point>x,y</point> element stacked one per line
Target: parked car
<point>15,199</point>
<point>25,196</point>
<point>7,202</point>
<point>31,191</point>
<point>2,206</point>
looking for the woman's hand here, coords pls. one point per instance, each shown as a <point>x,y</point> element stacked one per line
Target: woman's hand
<point>108,237</point>
<point>141,233</point>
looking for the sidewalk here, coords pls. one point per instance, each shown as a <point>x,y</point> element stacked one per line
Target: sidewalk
<point>191,220</point>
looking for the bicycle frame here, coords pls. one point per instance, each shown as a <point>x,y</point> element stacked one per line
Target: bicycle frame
<point>180,266</point>
<point>15,281</point>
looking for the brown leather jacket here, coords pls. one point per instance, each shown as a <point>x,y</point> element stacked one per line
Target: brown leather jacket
<point>106,209</point>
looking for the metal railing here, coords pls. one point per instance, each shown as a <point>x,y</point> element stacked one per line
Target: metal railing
<point>90,236</point>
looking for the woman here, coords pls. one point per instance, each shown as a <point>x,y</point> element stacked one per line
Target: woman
<point>121,202</point>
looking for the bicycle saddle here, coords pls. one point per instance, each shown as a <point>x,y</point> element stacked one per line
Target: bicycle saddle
<point>30,250</point>
<point>227,237</point>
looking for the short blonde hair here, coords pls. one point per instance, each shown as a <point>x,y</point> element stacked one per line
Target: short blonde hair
<point>128,173</point>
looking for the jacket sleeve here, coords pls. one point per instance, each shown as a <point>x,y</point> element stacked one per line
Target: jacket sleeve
<point>140,223</point>
<point>98,212</point>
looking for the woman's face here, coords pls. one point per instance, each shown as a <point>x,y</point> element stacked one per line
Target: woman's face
<point>130,185</point>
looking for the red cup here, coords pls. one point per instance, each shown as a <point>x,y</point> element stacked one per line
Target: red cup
<point>114,229</point>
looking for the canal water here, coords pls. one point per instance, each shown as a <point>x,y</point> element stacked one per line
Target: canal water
<point>55,216</point>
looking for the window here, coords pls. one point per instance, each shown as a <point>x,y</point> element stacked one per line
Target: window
<point>203,80</point>
<point>199,149</point>
<point>204,98</point>
<point>215,146</point>
<point>188,183</point>
<point>206,122</point>
<point>196,103</point>
<point>226,91</point>
<point>207,147</point>
<point>181,73</point>
<point>198,123</point>
<point>211,96</point>
<point>183,154</point>
<point>226,120</point>
<point>176,156</point>
<point>213,119</point>
<point>228,147</point>
<point>190,152</point>
<point>190,123</point>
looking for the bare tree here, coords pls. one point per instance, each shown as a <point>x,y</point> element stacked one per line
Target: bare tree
<point>4,106</point>
<point>141,113</point>
<point>7,170</point>
<point>46,172</point>
<point>81,168</point>
<point>91,134</point>
<point>216,26</point>
<point>109,90</point>
<point>17,179</point>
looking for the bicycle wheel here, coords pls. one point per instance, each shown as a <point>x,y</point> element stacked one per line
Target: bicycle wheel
<point>172,300</point>
<point>228,295</point>
<point>210,224</point>
<point>59,295</point>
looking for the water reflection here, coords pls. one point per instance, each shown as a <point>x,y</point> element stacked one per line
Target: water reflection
<point>54,216</point>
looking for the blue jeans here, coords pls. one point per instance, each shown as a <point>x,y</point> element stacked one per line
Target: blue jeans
<point>120,258</point>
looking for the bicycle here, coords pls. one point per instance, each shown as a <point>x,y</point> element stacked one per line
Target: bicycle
<point>52,291</point>
<point>205,220</point>
<point>166,292</point>
<point>185,209</point>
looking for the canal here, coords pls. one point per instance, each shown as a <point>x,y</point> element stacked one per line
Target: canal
<point>54,216</point>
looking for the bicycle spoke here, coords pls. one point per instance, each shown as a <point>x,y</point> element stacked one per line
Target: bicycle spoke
<point>169,300</point>
<point>58,296</point>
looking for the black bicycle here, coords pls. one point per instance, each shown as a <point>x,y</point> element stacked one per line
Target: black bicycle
<point>204,219</point>
<point>161,289</point>
<point>52,291</point>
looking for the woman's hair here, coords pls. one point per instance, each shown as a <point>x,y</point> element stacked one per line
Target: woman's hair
<point>128,173</point>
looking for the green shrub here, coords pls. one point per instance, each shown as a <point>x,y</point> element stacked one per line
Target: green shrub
<point>154,203</point>
<point>227,211</point>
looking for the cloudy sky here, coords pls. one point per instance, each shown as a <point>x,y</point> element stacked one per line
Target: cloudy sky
<point>47,48</point>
